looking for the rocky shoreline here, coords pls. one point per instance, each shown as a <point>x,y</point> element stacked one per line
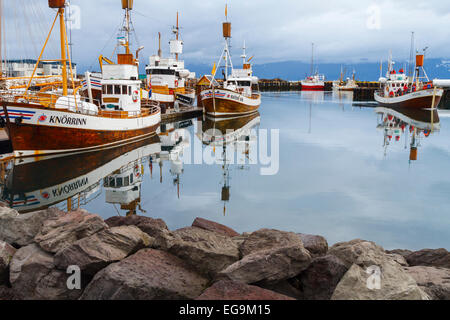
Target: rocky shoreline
<point>138,257</point>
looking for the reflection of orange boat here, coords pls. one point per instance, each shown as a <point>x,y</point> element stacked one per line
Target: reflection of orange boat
<point>415,124</point>
<point>35,185</point>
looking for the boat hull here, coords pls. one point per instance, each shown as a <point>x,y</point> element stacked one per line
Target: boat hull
<point>313,87</point>
<point>223,102</point>
<point>415,100</point>
<point>44,131</point>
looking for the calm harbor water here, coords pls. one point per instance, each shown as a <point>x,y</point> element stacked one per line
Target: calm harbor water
<point>336,177</point>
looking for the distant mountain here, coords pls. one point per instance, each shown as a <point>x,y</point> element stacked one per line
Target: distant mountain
<point>297,70</point>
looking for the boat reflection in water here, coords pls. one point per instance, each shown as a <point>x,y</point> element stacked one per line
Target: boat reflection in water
<point>415,124</point>
<point>230,136</point>
<point>35,184</point>
<point>175,139</point>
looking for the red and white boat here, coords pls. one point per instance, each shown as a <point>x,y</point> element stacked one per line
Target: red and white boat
<point>316,81</point>
<point>49,124</point>
<point>397,90</point>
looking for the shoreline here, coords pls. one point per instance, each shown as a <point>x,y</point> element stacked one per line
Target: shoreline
<point>53,255</point>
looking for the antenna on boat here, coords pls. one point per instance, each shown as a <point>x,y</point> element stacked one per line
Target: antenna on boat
<point>159,45</point>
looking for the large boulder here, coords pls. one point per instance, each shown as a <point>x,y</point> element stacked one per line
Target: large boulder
<point>95,252</point>
<point>270,265</point>
<point>6,254</point>
<point>316,245</point>
<point>149,274</point>
<point>214,227</point>
<point>155,228</point>
<point>204,250</point>
<point>368,263</point>
<point>430,258</point>
<point>320,279</point>
<point>33,276</point>
<point>231,290</point>
<point>6,293</point>
<point>264,239</point>
<point>20,230</point>
<point>434,281</point>
<point>60,232</point>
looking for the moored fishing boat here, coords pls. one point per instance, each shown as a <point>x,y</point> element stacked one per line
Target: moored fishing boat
<point>397,90</point>
<point>38,124</point>
<point>167,78</point>
<point>315,81</point>
<point>239,93</point>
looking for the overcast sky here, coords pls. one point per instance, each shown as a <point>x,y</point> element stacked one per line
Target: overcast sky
<point>343,31</point>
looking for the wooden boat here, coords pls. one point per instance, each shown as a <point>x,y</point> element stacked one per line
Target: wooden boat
<point>167,78</point>
<point>397,90</point>
<point>36,183</point>
<point>39,125</point>
<point>239,93</point>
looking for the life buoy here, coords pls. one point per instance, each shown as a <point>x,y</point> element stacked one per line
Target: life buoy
<point>135,96</point>
<point>176,83</point>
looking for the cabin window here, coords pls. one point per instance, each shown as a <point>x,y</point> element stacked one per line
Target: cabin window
<point>124,90</point>
<point>109,89</point>
<point>112,182</point>
<point>244,83</point>
<point>104,89</point>
<point>161,71</point>
<point>131,178</point>
<point>119,182</point>
<point>126,181</point>
<point>117,89</point>
<point>129,90</point>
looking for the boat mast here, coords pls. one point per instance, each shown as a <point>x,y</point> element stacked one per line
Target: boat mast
<point>159,45</point>
<point>177,31</point>
<point>62,28</point>
<point>1,39</point>
<point>127,5</point>
<point>312,59</point>
<point>411,57</point>
<point>227,36</point>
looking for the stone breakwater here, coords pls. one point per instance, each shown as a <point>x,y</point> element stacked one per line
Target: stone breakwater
<point>138,257</point>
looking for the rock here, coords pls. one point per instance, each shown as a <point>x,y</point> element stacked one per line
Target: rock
<point>155,228</point>
<point>399,259</point>
<point>434,281</point>
<point>271,265</point>
<point>6,254</point>
<point>6,212</point>
<point>33,276</point>
<point>230,290</point>
<point>6,293</point>
<point>147,275</point>
<point>60,232</point>
<point>401,252</point>
<point>430,258</point>
<point>316,245</point>
<point>320,279</point>
<point>206,251</point>
<point>268,239</point>
<point>95,252</point>
<point>214,227</point>
<point>20,230</point>
<point>364,258</point>
<point>285,287</point>
<point>395,285</point>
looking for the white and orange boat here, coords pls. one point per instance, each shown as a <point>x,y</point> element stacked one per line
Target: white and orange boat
<point>239,93</point>
<point>167,78</point>
<point>50,124</point>
<point>397,90</point>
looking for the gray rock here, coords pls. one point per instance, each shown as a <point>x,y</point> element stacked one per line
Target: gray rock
<point>6,254</point>
<point>402,252</point>
<point>95,252</point>
<point>61,232</point>
<point>230,290</point>
<point>364,258</point>
<point>214,227</point>
<point>147,275</point>
<point>155,228</point>
<point>434,281</point>
<point>320,279</point>
<point>33,276</point>
<point>268,239</point>
<point>429,258</point>
<point>271,265</point>
<point>316,245</point>
<point>20,230</point>
<point>206,251</point>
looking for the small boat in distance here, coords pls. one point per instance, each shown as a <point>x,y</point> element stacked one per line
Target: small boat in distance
<point>397,90</point>
<point>41,125</point>
<point>348,85</point>
<point>239,93</point>
<point>315,81</point>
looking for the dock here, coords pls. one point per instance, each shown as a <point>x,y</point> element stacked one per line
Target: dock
<point>182,114</point>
